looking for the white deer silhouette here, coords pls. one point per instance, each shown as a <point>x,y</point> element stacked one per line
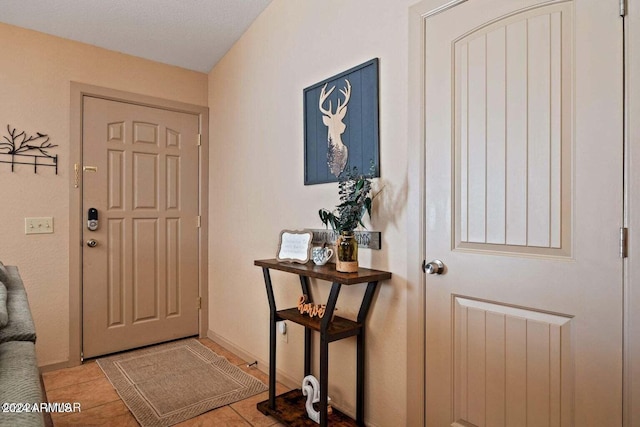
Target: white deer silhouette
<point>338,153</point>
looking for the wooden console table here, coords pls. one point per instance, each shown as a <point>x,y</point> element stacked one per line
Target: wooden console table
<point>289,408</point>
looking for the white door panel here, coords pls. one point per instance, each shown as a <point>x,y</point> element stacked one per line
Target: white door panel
<point>523,128</point>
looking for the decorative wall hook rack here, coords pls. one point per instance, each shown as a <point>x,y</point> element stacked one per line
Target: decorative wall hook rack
<point>18,148</point>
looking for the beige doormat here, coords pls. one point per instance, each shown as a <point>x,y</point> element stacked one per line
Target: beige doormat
<point>169,383</point>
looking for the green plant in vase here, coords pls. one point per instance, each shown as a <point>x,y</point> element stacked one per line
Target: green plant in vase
<point>354,190</point>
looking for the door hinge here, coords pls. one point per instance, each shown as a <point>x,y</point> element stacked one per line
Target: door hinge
<point>199,139</point>
<point>199,303</point>
<point>623,7</point>
<point>81,356</point>
<point>624,232</point>
<point>199,220</point>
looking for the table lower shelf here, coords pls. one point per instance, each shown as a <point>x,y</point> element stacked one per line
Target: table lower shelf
<point>290,410</point>
<point>339,327</point>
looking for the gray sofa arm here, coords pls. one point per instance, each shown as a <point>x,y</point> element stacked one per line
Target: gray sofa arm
<point>20,326</point>
<point>19,384</point>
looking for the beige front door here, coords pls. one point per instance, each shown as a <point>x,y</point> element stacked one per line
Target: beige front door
<point>140,280</point>
<point>524,201</point>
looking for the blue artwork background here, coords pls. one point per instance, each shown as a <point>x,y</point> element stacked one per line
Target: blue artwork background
<point>362,126</point>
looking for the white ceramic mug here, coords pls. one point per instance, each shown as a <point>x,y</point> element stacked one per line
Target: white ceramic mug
<point>321,255</point>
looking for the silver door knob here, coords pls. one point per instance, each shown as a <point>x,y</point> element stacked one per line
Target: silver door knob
<point>92,243</point>
<point>434,267</point>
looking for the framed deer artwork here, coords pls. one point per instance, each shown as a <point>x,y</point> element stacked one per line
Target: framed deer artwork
<point>341,129</point>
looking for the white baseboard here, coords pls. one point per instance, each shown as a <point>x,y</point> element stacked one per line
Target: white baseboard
<point>263,365</point>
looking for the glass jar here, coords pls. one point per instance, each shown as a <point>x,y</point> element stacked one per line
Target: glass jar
<point>347,247</point>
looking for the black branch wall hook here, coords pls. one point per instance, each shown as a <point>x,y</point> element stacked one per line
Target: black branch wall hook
<point>19,148</point>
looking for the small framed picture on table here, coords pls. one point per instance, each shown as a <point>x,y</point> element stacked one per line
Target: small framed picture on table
<point>294,246</point>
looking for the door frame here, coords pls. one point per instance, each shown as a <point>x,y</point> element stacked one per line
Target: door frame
<point>78,92</point>
<point>416,289</point>
<point>631,347</point>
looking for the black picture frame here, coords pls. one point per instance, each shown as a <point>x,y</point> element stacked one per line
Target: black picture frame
<point>361,134</point>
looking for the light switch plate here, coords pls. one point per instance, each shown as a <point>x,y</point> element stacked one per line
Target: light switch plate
<point>42,225</point>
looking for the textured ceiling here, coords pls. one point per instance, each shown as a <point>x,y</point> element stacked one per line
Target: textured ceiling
<point>193,34</point>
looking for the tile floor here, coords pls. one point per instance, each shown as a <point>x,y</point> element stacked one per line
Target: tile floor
<point>101,405</point>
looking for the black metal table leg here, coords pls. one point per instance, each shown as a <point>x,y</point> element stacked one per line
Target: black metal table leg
<point>360,346</point>
<point>324,381</point>
<point>324,352</point>
<point>272,339</point>
<point>304,282</point>
<point>360,378</point>
<point>366,302</point>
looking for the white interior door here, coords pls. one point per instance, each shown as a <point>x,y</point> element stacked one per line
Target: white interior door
<point>524,154</point>
<point>140,279</point>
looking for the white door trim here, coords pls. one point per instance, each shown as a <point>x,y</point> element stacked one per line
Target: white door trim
<point>416,213</point>
<point>631,346</point>
<point>415,216</point>
<point>78,91</point>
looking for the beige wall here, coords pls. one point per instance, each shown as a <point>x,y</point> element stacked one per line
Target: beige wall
<point>256,185</point>
<point>256,176</point>
<point>35,81</point>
